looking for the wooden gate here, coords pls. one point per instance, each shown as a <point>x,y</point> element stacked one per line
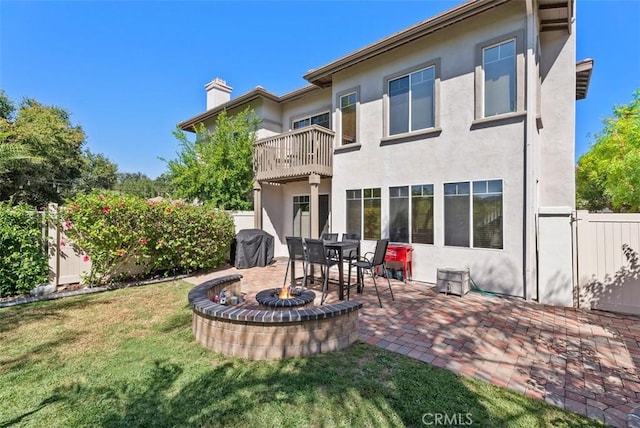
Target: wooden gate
<point>608,266</point>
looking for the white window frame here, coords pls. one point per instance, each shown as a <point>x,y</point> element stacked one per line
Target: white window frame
<point>339,97</point>
<point>470,182</point>
<point>515,71</point>
<point>387,136</point>
<point>518,36</point>
<point>309,117</point>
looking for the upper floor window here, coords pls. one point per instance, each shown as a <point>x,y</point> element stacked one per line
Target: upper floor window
<point>348,117</point>
<point>412,101</point>
<point>499,65</point>
<point>319,119</point>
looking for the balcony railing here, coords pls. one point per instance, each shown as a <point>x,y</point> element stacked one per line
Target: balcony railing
<point>294,155</point>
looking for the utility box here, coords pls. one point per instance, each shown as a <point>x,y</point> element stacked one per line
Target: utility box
<point>453,281</point>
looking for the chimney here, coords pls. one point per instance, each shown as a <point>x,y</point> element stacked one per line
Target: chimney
<point>217,92</point>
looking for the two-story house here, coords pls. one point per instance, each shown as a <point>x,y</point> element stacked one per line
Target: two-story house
<point>455,135</point>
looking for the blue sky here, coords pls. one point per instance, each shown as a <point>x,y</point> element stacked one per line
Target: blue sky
<point>128,72</point>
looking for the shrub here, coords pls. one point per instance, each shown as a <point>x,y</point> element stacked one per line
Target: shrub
<point>23,261</point>
<point>125,235</point>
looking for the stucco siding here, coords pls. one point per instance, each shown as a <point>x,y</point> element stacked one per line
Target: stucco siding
<point>557,150</point>
<point>460,152</point>
<point>312,104</point>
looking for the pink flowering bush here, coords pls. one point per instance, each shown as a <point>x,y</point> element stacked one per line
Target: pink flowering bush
<point>126,236</point>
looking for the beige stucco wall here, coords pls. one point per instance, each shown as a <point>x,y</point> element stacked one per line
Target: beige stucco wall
<point>277,209</point>
<point>463,150</point>
<point>314,103</point>
<point>459,153</point>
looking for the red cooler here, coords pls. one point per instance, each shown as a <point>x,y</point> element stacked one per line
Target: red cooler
<point>402,254</point>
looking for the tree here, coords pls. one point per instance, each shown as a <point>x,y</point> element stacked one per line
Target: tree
<point>218,167</point>
<point>608,175</point>
<point>139,184</point>
<point>11,152</point>
<point>47,132</point>
<point>98,173</point>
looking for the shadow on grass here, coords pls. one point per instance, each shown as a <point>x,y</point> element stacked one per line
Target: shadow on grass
<point>14,317</point>
<point>364,386</point>
<point>36,354</point>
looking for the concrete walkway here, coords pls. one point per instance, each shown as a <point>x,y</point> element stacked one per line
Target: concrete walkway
<point>582,361</point>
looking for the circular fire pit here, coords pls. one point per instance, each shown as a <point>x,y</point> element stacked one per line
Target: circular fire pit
<point>268,299</point>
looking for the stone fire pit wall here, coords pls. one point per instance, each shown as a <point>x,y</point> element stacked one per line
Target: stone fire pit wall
<point>258,334</point>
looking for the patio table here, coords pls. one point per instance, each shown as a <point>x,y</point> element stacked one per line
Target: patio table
<point>342,247</point>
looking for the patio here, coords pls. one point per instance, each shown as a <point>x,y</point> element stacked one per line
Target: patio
<point>583,361</point>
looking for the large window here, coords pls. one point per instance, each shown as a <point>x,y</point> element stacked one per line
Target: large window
<point>456,214</point>
<point>499,65</point>
<point>483,210</point>
<point>372,213</point>
<point>320,119</point>
<point>411,101</point>
<point>422,214</point>
<point>399,214</point>
<point>487,214</point>
<point>348,115</point>
<point>354,212</point>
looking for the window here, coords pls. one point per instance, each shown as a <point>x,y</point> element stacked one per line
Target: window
<point>422,214</point>
<point>483,211</point>
<point>399,214</point>
<point>456,214</point>
<point>372,213</point>
<point>354,211</point>
<point>301,217</point>
<point>412,101</point>
<point>320,119</point>
<point>499,65</point>
<point>487,214</point>
<point>348,117</point>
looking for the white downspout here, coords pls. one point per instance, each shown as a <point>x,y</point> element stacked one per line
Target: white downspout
<point>530,234</point>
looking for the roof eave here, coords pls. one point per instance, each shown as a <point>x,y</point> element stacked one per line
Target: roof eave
<point>322,76</point>
<point>258,92</point>
<point>584,69</point>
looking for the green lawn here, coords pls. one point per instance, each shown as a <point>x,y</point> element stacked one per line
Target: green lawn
<point>128,358</point>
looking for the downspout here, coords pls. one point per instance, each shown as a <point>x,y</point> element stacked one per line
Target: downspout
<point>530,185</point>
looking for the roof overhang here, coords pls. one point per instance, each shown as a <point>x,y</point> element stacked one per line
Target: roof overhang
<point>323,75</point>
<point>555,15</point>
<point>583,77</point>
<point>257,93</point>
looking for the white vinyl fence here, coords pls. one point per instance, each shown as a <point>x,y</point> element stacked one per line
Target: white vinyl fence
<point>608,267</point>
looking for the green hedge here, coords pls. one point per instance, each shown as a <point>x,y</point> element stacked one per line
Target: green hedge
<point>23,261</point>
<point>127,236</point>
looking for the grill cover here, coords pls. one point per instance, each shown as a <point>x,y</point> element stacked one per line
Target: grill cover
<point>253,247</point>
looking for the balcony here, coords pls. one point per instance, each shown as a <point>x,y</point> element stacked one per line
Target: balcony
<point>294,155</point>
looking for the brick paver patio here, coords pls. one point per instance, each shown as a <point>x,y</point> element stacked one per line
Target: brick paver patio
<point>583,361</point>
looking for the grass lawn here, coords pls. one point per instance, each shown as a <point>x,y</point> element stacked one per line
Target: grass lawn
<point>128,358</point>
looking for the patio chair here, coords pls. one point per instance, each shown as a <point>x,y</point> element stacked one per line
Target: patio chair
<point>330,237</point>
<point>351,256</point>
<point>296,253</point>
<point>372,263</point>
<point>316,254</point>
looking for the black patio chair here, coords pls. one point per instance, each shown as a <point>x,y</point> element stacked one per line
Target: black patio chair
<point>296,253</point>
<point>351,256</point>
<point>372,263</point>
<point>332,237</point>
<point>329,237</point>
<point>316,254</point>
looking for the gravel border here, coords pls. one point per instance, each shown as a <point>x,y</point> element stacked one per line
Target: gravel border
<point>22,300</point>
